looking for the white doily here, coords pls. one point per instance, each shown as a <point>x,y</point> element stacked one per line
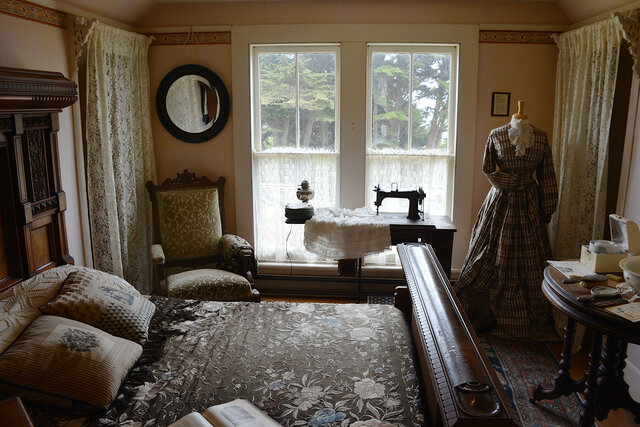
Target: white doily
<point>337,233</point>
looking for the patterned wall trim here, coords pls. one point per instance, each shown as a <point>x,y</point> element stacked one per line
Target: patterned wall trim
<point>523,37</point>
<point>212,37</point>
<point>33,12</point>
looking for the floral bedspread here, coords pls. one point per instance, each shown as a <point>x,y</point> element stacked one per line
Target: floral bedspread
<point>303,364</point>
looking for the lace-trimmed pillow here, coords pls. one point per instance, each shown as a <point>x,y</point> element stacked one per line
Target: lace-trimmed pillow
<point>104,301</point>
<point>61,362</point>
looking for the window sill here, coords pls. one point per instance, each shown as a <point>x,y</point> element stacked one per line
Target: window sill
<point>327,270</point>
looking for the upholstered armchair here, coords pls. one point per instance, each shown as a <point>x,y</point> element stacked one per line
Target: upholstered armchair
<point>192,254</point>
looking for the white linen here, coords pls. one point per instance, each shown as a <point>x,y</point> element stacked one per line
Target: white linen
<point>338,233</point>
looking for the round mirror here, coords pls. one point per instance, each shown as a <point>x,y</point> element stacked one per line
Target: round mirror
<point>192,103</point>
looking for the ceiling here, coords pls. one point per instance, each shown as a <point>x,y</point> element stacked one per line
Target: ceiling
<point>132,12</point>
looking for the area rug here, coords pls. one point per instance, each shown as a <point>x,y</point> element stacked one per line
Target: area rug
<point>521,366</point>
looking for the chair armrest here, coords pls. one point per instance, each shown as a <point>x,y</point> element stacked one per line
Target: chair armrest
<point>237,255</point>
<point>159,286</point>
<point>157,254</point>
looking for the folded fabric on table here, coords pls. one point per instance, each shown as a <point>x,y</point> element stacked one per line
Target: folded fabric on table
<point>338,233</point>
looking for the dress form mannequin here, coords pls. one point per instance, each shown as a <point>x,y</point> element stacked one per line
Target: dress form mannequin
<point>499,286</point>
<point>520,114</point>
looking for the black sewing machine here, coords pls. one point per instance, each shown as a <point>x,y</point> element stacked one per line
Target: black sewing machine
<point>416,197</point>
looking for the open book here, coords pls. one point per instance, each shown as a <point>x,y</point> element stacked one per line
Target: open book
<point>239,412</point>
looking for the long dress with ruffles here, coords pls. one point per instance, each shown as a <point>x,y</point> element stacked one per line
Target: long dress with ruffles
<point>500,282</point>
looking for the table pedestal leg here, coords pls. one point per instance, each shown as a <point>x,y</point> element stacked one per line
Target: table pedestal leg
<point>613,391</point>
<point>563,383</point>
<point>359,279</point>
<point>591,389</point>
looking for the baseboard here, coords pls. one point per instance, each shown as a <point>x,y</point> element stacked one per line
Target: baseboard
<point>326,287</point>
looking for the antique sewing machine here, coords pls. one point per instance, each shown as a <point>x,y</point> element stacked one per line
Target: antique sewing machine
<point>415,197</point>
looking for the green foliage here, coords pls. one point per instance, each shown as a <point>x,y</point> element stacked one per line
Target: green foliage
<point>304,84</point>
<point>429,101</point>
<point>315,99</point>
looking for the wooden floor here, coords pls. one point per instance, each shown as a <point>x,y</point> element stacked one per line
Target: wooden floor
<point>579,362</point>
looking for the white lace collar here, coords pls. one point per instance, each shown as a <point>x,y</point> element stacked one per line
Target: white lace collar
<point>520,135</point>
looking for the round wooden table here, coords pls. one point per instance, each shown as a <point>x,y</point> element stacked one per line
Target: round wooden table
<point>603,384</point>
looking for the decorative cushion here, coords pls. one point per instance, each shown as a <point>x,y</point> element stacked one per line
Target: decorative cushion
<point>19,304</point>
<point>190,223</point>
<point>57,359</point>
<point>104,301</point>
<point>208,284</point>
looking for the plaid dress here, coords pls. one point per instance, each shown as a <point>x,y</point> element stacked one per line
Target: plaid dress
<point>499,286</point>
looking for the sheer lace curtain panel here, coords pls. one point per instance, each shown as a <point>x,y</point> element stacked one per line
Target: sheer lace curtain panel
<point>118,147</point>
<point>585,86</point>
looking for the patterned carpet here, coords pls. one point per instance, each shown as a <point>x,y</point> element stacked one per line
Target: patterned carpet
<point>521,366</point>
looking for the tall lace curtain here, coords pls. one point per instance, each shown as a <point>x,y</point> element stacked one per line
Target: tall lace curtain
<point>120,157</point>
<point>585,86</point>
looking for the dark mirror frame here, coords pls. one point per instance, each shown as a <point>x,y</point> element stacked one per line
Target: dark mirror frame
<point>216,84</point>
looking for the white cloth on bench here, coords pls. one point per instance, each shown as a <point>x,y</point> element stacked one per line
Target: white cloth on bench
<point>338,233</point>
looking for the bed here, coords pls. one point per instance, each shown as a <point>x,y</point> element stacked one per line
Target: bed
<point>304,364</point>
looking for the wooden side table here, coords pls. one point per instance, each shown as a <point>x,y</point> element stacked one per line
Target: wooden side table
<point>603,385</point>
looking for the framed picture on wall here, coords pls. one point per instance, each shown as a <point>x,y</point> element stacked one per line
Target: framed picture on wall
<point>500,103</point>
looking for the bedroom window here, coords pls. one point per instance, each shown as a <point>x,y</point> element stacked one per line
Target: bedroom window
<point>408,137</point>
<point>411,123</point>
<point>295,92</point>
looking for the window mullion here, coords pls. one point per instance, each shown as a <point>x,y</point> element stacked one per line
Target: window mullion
<point>410,121</point>
<point>297,101</point>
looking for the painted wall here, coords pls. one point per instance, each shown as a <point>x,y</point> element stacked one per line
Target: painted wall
<point>212,158</point>
<point>530,77</point>
<point>580,10</point>
<point>354,12</point>
<point>38,46</point>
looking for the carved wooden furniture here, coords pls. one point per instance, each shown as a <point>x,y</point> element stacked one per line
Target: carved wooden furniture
<point>461,387</point>
<point>190,231</point>
<point>32,227</point>
<point>603,385</point>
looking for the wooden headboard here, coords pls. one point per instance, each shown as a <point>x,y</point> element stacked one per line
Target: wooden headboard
<point>461,387</point>
<point>32,204</point>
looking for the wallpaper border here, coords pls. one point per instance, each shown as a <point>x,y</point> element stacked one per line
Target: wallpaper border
<point>33,12</point>
<point>519,37</point>
<point>204,37</point>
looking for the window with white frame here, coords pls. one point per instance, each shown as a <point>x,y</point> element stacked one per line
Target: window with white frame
<point>411,92</point>
<point>295,136</point>
<point>410,132</point>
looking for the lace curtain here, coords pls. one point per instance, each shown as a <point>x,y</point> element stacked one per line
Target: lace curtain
<point>585,86</point>
<point>120,156</point>
<point>277,175</point>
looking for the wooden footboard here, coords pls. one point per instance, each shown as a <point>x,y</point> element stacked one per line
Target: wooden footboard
<point>461,387</point>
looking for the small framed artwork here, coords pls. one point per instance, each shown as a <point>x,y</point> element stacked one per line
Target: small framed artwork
<point>500,103</point>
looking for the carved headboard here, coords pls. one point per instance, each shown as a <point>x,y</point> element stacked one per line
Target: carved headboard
<point>32,204</point>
